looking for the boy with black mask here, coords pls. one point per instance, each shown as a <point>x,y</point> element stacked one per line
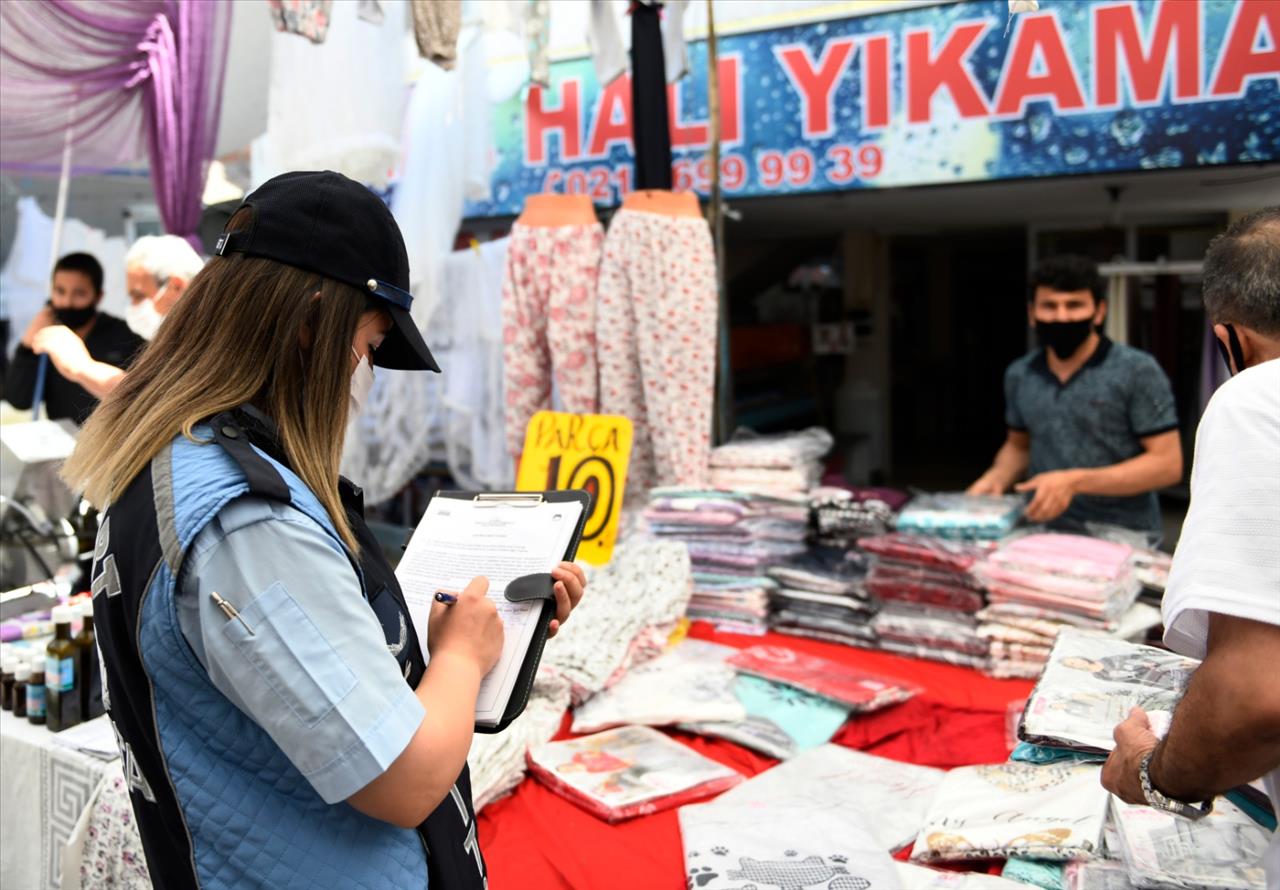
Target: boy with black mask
<point>75,293</point>
<point>1092,424</point>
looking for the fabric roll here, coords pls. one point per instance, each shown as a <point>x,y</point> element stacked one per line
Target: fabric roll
<point>549,310</point>
<point>656,334</point>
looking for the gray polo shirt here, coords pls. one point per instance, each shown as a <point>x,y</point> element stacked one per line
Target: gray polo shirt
<point>1096,419</point>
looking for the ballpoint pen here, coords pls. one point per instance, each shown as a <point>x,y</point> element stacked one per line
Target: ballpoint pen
<point>444,596</point>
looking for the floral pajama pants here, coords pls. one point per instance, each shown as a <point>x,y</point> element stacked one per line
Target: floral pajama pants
<point>549,322</point>
<point>656,336</point>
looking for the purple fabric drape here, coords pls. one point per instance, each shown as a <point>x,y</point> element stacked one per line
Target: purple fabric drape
<point>130,78</point>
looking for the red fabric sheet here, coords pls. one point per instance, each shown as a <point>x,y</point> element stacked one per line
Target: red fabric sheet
<point>537,840</point>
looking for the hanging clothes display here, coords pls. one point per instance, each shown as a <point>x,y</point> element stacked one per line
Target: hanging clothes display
<point>436,24</point>
<point>537,35</point>
<point>306,18</point>
<point>403,425</point>
<point>468,324</point>
<point>328,108</point>
<point>607,50</point>
<point>549,310</point>
<point>656,336</point>
<point>650,124</point>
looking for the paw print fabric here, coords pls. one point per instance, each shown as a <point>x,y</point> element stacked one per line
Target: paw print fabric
<point>808,826</point>
<point>549,311</point>
<point>656,332</point>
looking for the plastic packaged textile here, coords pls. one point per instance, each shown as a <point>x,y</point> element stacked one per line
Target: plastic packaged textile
<point>627,772</point>
<point>955,556</point>
<point>1053,811</point>
<point>959,515</point>
<point>859,690</point>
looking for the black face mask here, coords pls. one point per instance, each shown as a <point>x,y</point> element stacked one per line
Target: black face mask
<point>1237,351</point>
<point>1063,337</point>
<point>74,318</point>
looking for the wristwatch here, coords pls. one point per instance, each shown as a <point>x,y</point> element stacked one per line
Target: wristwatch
<point>1159,801</point>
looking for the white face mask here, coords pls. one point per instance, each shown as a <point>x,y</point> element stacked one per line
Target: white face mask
<point>361,382</point>
<point>143,318</point>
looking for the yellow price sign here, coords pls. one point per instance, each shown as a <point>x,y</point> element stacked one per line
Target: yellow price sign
<point>581,451</point>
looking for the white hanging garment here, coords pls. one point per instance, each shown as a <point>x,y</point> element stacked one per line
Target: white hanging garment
<point>470,316</point>
<point>337,105</point>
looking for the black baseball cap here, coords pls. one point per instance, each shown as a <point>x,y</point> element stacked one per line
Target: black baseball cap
<point>325,223</point>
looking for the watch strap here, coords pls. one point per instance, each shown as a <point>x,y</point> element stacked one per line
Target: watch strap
<point>1161,801</point>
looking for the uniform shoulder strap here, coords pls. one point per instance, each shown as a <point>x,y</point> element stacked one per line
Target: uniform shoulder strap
<point>264,480</point>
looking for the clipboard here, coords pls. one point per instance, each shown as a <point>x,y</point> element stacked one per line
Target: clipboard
<point>527,588</point>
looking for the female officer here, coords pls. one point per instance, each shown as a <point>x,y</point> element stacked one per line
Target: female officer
<point>255,645</point>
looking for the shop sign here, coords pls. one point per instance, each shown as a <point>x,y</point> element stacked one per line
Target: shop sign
<point>929,95</point>
<point>581,451</point>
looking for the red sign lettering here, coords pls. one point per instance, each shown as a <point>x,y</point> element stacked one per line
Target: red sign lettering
<point>816,83</point>
<point>1117,37</point>
<point>612,121</point>
<point>565,120</point>
<point>875,81</point>
<point>1038,47</point>
<point>926,73</point>
<point>1242,60</point>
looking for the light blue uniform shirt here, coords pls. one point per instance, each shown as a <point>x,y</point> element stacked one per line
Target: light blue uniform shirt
<point>315,672</point>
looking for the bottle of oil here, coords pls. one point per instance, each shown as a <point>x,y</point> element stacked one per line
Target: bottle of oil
<point>36,705</point>
<point>8,664</point>
<point>20,679</point>
<point>62,687</point>
<point>87,665</point>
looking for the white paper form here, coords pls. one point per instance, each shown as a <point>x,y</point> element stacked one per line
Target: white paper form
<point>460,539</point>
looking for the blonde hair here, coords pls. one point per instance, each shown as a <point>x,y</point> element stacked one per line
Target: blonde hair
<point>247,330</point>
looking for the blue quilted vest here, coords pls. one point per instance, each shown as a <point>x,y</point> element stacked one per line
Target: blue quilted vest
<point>218,804</point>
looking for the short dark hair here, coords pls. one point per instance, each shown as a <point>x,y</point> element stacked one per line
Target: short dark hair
<point>85,264</point>
<point>1242,273</point>
<point>1067,272</point>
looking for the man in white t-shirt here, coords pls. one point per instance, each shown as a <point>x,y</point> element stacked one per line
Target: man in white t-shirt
<point>1222,603</point>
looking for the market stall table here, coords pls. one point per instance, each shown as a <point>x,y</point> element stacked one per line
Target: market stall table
<point>536,839</point>
<point>44,788</point>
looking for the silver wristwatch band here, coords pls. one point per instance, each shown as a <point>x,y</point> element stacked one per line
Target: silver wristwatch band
<point>1159,801</point>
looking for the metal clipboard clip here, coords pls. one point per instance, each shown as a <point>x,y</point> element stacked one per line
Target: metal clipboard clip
<point>512,499</point>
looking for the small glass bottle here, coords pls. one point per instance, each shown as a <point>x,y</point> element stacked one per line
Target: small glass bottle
<point>36,705</point>
<point>87,666</point>
<point>62,689</point>
<point>20,678</point>
<point>7,667</point>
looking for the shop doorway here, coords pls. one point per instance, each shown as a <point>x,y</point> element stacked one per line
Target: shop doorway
<point>958,317</point>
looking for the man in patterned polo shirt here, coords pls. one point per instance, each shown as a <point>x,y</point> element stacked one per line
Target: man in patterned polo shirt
<point>1092,423</point>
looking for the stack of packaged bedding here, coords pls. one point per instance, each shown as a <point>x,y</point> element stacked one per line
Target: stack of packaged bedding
<point>787,464</point>
<point>822,594</point>
<point>928,597</point>
<point>1040,583</point>
<point>732,538</point>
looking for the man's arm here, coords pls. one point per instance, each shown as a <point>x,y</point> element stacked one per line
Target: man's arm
<point>1009,466</point>
<point>1159,465</point>
<point>72,359</point>
<point>1226,729</point>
